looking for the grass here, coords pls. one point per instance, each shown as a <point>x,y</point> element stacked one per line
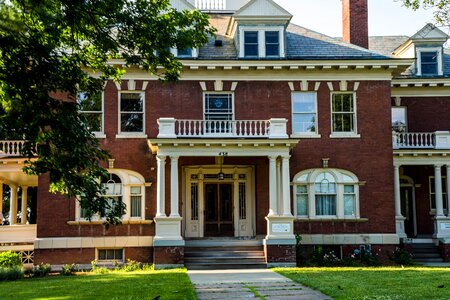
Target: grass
<point>375,283</point>
<point>167,284</point>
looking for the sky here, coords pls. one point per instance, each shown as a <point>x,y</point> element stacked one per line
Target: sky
<point>386,17</point>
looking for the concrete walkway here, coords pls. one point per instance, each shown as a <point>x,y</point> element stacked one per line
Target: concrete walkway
<point>253,283</point>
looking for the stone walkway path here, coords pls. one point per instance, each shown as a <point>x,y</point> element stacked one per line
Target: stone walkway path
<point>258,283</point>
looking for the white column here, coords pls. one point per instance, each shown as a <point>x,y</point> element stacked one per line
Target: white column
<point>273,186</point>
<point>160,186</point>
<point>174,211</point>
<point>285,184</point>
<point>13,205</point>
<point>23,215</point>
<point>438,190</point>
<point>279,189</point>
<point>448,190</point>
<point>1,202</point>
<point>398,208</point>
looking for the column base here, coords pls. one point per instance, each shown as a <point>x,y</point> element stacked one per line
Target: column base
<point>168,231</point>
<point>442,227</point>
<point>280,228</point>
<point>400,227</point>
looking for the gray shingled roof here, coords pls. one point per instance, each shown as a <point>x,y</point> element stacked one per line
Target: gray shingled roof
<point>386,44</point>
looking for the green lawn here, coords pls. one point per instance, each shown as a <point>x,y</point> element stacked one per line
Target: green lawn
<point>375,283</point>
<point>168,284</point>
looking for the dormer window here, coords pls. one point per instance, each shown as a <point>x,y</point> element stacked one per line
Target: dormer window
<point>185,52</point>
<point>429,61</point>
<point>251,43</point>
<point>261,42</point>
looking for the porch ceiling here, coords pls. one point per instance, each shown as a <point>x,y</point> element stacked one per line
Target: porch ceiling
<point>216,147</point>
<point>11,173</point>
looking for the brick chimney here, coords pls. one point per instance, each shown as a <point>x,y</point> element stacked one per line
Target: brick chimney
<point>355,22</point>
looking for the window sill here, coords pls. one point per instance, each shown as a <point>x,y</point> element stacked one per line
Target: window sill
<point>330,219</point>
<point>305,136</point>
<point>101,222</point>
<point>100,135</point>
<point>131,136</point>
<point>345,136</point>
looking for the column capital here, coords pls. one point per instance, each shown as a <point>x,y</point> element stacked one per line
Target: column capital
<point>174,157</point>
<point>286,157</point>
<point>438,166</point>
<point>397,166</point>
<point>272,157</point>
<point>161,157</point>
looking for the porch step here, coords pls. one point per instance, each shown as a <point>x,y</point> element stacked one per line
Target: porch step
<point>426,253</point>
<point>224,254</point>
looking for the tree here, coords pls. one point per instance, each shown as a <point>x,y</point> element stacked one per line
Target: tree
<point>49,51</point>
<point>442,8</point>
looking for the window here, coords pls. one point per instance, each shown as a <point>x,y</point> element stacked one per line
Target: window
<point>185,52</point>
<point>343,113</point>
<point>131,113</point>
<point>122,186</point>
<point>272,43</point>
<point>91,109</point>
<point>218,108</point>
<point>326,193</point>
<point>399,119</point>
<point>304,113</point>
<point>433,193</point>
<point>251,43</point>
<point>429,63</point>
<point>113,193</point>
<point>110,254</point>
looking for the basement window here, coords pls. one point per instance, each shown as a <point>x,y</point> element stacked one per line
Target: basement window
<point>107,255</point>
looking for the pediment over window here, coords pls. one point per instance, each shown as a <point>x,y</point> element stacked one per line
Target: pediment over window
<point>430,33</point>
<point>262,10</point>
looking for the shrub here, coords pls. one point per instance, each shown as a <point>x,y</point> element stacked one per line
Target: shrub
<point>11,273</point>
<point>68,269</point>
<point>132,266</point>
<point>41,270</point>
<point>325,257</point>
<point>401,257</point>
<point>9,259</point>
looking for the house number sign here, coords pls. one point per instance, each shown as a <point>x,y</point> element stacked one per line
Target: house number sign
<point>281,228</point>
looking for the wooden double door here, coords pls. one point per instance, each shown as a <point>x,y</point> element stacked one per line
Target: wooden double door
<point>218,209</point>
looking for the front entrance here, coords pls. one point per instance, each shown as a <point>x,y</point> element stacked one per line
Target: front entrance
<point>408,206</point>
<point>218,209</point>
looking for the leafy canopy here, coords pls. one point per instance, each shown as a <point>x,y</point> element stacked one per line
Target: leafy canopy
<point>442,8</point>
<point>50,50</point>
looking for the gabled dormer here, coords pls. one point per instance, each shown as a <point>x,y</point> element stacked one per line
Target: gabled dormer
<point>259,30</point>
<point>427,47</point>
<point>181,5</point>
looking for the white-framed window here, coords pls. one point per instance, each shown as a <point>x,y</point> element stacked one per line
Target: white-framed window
<point>326,194</point>
<point>343,114</point>
<point>91,109</point>
<point>110,255</point>
<point>218,109</point>
<point>433,193</point>
<point>399,119</point>
<point>429,61</point>
<point>185,53</point>
<point>304,113</point>
<point>261,42</point>
<point>122,186</point>
<point>131,113</point>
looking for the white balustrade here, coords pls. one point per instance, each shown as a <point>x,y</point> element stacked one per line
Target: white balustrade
<point>222,128</point>
<point>11,148</point>
<point>210,4</point>
<point>414,140</point>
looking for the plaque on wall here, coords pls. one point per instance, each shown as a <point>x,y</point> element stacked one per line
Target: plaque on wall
<point>445,226</point>
<point>281,227</point>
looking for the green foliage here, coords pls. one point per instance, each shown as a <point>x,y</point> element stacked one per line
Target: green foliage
<point>402,257</point>
<point>11,273</point>
<point>9,259</point>
<point>441,8</point>
<point>132,266</point>
<point>48,51</point>
<point>324,257</point>
<point>41,270</point>
<point>68,269</point>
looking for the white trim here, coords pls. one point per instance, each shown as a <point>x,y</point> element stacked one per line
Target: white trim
<point>345,134</point>
<point>438,50</point>
<point>98,134</point>
<point>218,93</point>
<point>314,134</point>
<point>121,134</point>
<point>262,40</point>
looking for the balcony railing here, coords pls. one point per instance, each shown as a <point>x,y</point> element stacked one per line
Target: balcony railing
<point>421,140</point>
<point>172,128</point>
<point>11,148</point>
<point>210,4</point>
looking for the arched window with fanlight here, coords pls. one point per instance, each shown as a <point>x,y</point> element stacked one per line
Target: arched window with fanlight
<point>326,193</point>
<point>121,186</point>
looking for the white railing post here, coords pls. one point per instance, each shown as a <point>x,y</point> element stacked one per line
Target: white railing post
<point>442,140</point>
<point>277,128</point>
<point>395,140</point>
<point>166,128</point>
